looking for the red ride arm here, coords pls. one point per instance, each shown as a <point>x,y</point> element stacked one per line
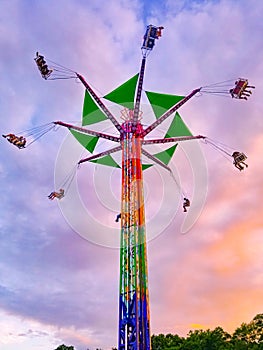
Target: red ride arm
<point>169,112</point>
<point>172,139</point>
<point>101,104</point>
<point>89,132</point>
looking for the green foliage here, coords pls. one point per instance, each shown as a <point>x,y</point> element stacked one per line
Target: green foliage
<point>64,347</point>
<point>246,337</point>
<point>168,341</point>
<point>216,339</point>
<point>251,333</point>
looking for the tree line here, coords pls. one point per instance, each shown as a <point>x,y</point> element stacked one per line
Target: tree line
<point>248,336</point>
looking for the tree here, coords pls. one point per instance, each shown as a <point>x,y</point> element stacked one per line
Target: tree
<point>216,339</point>
<point>64,347</point>
<point>250,333</point>
<point>246,337</point>
<point>168,341</point>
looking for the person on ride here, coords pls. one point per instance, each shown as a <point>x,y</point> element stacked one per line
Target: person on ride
<point>118,217</point>
<point>240,90</point>
<point>239,159</point>
<point>186,204</point>
<point>20,142</point>
<point>231,91</point>
<point>159,32</point>
<point>242,95</point>
<point>42,66</point>
<point>45,71</point>
<point>10,137</point>
<point>246,93</point>
<point>57,195</point>
<point>40,60</point>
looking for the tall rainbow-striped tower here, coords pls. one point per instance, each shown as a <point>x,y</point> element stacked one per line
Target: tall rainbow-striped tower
<point>134,313</point>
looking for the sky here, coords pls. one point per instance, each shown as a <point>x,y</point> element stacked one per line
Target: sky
<point>58,273</point>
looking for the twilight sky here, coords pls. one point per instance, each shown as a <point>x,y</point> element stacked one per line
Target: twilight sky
<point>55,286</point>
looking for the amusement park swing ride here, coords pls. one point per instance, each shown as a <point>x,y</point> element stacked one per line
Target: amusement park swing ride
<point>134,315</point>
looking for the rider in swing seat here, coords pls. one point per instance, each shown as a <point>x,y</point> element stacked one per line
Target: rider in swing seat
<point>19,141</point>
<point>118,217</point>
<point>39,60</point>
<point>239,159</point>
<point>57,195</point>
<point>186,204</point>
<point>10,137</point>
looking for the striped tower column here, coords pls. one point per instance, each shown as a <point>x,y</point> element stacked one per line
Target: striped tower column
<point>134,317</point>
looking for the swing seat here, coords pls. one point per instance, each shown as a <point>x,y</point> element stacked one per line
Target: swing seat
<point>47,74</point>
<point>240,158</point>
<point>240,86</point>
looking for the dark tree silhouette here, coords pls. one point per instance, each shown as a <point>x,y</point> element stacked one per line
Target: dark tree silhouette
<point>64,347</point>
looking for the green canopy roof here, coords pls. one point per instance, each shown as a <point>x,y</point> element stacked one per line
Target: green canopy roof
<point>91,113</point>
<point>87,141</point>
<point>178,128</point>
<point>124,94</point>
<point>162,102</point>
<point>146,166</point>
<point>166,155</point>
<point>106,160</point>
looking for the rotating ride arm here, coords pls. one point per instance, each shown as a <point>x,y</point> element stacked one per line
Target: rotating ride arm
<point>156,160</point>
<point>139,93</point>
<point>151,34</point>
<point>101,104</point>
<point>169,112</point>
<point>172,139</point>
<point>89,132</point>
<point>105,153</point>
